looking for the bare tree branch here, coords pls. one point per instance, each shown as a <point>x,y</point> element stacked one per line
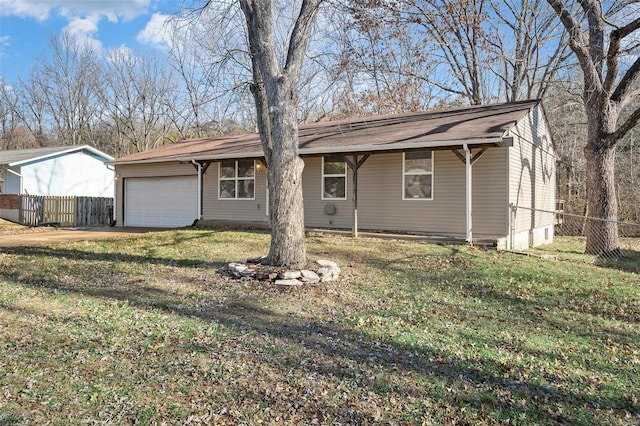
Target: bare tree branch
<point>300,36</point>
<point>579,44</point>
<point>613,53</point>
<point>624,128</point>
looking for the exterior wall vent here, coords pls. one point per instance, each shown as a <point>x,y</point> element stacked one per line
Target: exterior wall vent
<point>330,209</point>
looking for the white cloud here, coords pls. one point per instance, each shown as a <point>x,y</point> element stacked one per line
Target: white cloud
<point>4,42</point>
<point>83,26</point>
<point>83,16</point>
<point>156,33</point>
<point>37,9</point>
<point>42,9</point>
<point>85,30</point>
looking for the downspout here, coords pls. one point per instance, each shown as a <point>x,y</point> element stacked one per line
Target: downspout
<point>115,192</point>
<point>468,195</point>
<point>355,196</point>
<point>267,211</point>
<point>199,166</point>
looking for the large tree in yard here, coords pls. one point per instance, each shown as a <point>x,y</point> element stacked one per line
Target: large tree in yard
<point>601,45</point>
<point>275,91</point>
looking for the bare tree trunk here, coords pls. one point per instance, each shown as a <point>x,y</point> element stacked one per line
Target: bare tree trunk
<point>287,211</point>
<point>600,156</point>
<point>606,92</point>
<point>285,167</point>
<point>602,236</point>
<point>275,91</point>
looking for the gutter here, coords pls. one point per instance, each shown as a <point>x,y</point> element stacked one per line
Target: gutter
<point>327,150</point>
<point>13,172</point>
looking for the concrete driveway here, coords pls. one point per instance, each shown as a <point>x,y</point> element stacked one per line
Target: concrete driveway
<point>59,235</point>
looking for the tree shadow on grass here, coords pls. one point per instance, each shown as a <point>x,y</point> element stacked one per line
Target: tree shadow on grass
<point>627,260</point>
<point>347,347</point>
<point>450,267</point>
<point>572,249</point>
<point>77,254</point>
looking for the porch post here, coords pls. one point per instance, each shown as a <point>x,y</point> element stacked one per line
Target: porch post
<point>354,166</point>
<point>199,167</point>
<point>355,197</point>
<point>468,195</point>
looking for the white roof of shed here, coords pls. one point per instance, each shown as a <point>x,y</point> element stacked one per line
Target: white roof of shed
<point>21,156</point>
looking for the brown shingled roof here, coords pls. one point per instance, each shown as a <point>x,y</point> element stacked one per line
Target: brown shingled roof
<point>448,127</point>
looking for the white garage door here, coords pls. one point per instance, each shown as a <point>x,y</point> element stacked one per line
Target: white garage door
<point>160,202</point>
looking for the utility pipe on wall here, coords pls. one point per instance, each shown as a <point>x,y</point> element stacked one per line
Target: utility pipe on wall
<point>469,193</point>
<point>115,193</point>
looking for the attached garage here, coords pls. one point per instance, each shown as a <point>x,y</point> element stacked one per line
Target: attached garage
<point>166,202</point>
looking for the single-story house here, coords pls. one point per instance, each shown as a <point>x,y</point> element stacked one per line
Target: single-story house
<point>456,172</point>
<point>62,171</point>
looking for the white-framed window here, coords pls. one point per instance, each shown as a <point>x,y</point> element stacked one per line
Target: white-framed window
<point>236,180</point>
<point>417,175</point>
<point>334,178</point>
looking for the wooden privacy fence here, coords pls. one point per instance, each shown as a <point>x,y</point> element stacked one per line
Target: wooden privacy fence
<point>36,210</point>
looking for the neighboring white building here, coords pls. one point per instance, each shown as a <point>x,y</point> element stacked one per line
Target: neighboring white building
<point>62,171</point>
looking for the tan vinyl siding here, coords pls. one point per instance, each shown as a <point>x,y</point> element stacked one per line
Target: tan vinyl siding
<point>380,203</point>
<point>126,171</point>
<point>232,209</point>
<point>532,177</point>
<point>314,205</point>
<point>382,207</point>
<point>491,194</point>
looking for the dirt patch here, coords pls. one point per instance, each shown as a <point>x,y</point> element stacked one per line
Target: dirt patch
<point>42,236</point>
<point>11,228</point>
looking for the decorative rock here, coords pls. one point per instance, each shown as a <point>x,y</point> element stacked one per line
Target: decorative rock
<point>290,275</point>
<point>328,274</point>
<point>327,263</point>
<point>237,267</point>
<point>309,276</point>
<point>291,282</point>
<point>252,270</point>
<point>325,275</point>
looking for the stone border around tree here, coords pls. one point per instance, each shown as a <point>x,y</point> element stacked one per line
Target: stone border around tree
<point>326,271</point>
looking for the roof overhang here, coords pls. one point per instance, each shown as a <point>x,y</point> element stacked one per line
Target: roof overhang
<point>346,149</point>
<point>62,152</point>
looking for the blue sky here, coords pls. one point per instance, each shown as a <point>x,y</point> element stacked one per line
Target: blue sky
<point>26,25</point>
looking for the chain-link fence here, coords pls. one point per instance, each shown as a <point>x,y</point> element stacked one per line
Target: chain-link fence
<point>570,240</point>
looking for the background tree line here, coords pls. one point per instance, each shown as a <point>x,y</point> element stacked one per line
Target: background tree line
<point>364,57</point>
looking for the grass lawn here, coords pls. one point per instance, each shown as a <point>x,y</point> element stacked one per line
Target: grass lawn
<point>573,249</point>
<point>142,330</point>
